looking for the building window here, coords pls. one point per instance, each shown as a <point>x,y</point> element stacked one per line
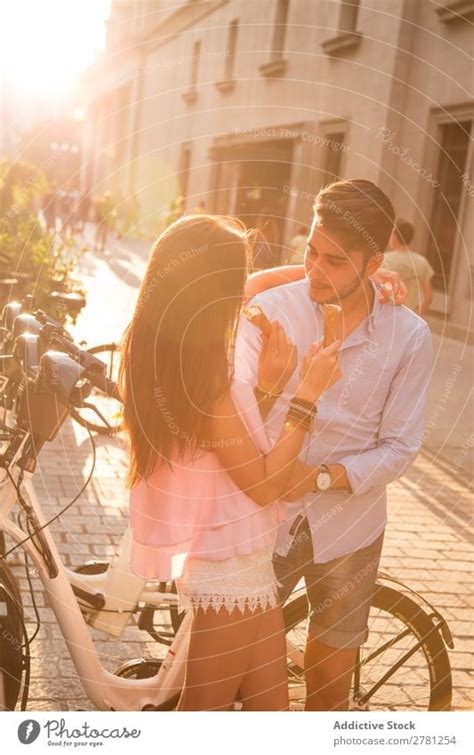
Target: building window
<point>191,94</point>
<point>454,144</point>
<point>455,10</point>
<point>184,169</point>
<point>231,49</point>
<point>347,36</point>
<point>348,13</point>
<point>279,29</point>
<point>195,64</point>
<point>277,64</point>
<point>332,165</point>
<point>228,82</point>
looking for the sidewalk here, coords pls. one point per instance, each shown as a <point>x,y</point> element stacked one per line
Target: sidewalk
<point>427,542</point>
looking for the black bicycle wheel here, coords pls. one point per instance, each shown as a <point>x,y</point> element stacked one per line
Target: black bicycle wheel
<point>404,664</point>
<point>110,408</point>
<point>11,639</point>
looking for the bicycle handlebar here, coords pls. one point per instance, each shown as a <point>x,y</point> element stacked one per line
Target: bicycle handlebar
<point>95,368</point>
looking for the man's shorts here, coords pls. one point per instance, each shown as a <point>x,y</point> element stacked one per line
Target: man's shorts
<point>339,592</point>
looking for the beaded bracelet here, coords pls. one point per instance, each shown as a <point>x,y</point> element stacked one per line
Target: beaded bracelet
<point>305,420</point>
<point>305,404</point>
<point>303,409</point>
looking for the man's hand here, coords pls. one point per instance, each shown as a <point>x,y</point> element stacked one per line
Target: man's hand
<point>302,480</point>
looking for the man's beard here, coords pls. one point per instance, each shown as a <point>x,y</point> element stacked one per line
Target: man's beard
<point>347,290</point>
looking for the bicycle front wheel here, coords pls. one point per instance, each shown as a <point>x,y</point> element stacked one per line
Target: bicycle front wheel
<point>404,665</point>
<point>11,640</point>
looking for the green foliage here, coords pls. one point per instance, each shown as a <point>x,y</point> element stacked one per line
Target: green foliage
<point>42,262</point>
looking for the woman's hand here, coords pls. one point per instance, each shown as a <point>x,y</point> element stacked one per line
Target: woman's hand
<point>392,289</point>
<point>320,370</point>
<point>272,277</point>
<point>277,360</point>
<point>300,482</point>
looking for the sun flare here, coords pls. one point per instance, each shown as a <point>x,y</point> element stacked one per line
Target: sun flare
<point>47,43</point>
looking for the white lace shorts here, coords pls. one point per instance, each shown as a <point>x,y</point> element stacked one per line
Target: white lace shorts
<point>243,582</point>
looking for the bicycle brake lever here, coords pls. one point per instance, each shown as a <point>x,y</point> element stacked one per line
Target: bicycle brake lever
<point>86,405</point>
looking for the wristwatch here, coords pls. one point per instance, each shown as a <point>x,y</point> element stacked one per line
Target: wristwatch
<point>323,479</point>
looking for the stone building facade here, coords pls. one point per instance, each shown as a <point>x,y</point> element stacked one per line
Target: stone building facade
<point>250,106</point>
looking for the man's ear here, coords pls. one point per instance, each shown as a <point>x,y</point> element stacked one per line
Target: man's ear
<point>374,263</point>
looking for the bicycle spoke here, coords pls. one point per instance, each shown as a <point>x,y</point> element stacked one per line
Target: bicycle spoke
<point>391,664</point>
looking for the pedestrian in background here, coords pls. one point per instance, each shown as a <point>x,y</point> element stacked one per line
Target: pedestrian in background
<point>414,269</point>
<point>267,247</point>
<point>106,214</point>
<point>130,214</point>
<point>82,213</point>
<point>298,246</point>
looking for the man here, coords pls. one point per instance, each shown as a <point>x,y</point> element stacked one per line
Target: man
<point>367,430</point>
<point>414,269</point>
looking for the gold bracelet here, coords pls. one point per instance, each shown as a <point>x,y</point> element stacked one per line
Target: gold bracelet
<point>291,422</point>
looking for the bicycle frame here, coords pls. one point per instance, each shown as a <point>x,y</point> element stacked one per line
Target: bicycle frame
<point>106,691</point>
<point>117,589</point>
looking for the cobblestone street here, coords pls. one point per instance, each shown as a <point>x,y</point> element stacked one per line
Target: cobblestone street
<point>427,542</point>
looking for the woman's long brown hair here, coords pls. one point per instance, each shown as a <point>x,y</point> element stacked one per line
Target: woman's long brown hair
<point>175,352</point>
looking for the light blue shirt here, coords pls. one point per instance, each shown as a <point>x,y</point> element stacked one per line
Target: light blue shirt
<point>371,420</point>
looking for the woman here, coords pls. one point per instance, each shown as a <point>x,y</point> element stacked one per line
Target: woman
<point>204,480</point>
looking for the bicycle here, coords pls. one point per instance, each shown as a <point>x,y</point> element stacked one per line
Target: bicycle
<point>21,317</point>
<point>106,596</point>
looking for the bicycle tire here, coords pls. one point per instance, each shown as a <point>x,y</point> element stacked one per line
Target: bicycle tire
<point>416,620</point>
<point>11,639</point>
<point>102,429</point>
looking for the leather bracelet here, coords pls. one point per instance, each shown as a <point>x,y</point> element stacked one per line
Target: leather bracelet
<point>266,395</point>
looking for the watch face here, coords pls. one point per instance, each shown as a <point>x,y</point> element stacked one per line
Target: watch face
<point>323,481</point>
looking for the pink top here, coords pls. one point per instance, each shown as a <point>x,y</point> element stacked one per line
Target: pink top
<point>193,508</point>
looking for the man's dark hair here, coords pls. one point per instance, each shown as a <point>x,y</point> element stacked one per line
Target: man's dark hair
<point>358,213</point>
<point>404,230</point>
